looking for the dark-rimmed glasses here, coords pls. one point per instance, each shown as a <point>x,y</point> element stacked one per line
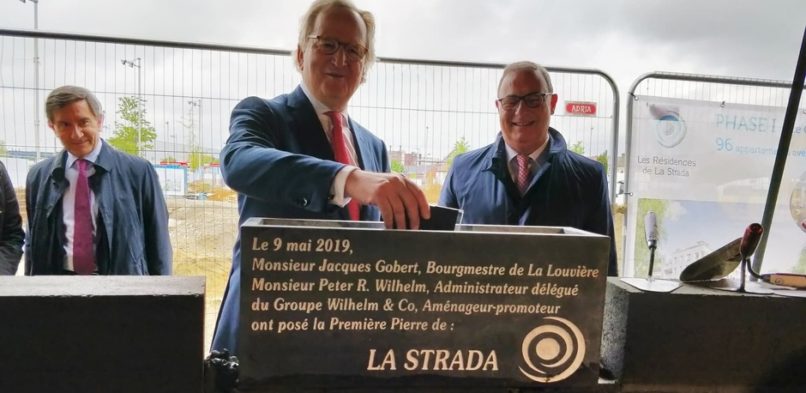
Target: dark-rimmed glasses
<point>329,46</point>
<point>532,100</point>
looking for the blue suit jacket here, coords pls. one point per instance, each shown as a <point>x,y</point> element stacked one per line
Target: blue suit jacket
<point>280,162</point>
<point>132,234</point>
<point>11,234</point>
<point>567,190</point>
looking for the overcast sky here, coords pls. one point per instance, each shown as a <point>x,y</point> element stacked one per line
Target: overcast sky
<point>624,38</point>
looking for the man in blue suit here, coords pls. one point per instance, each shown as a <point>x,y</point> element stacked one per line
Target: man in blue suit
<point>300,155</point>
<point>93,209</point>
<point>11,235</point>
<point>528,176</point>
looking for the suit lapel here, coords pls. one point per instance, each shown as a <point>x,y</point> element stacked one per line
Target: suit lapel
<point>58,185</point>
<point>500,168</point>
<point>362,147</point>
<point>307,127</point>
<point>104,189</point>
<point>366,161</point>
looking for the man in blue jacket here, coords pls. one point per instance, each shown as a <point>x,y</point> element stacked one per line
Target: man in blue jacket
<point>93,209</point>
<point>528,176</point>
<point>300,155</point>
<point>11,234</point>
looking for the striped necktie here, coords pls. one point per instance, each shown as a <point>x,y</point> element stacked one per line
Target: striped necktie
<point>341,154</point>
<point>523,173</point>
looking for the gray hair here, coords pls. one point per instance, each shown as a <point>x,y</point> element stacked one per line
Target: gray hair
<point>531,66</point>
<point>66,95</point>
<point>309,19</point>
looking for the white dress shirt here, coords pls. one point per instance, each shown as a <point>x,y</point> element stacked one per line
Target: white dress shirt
<point>512,163</point>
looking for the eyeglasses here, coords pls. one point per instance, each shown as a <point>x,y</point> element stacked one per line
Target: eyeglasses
<point>329,46</point>
<point>532,100</point>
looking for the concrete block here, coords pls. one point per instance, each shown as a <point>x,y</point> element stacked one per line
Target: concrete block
<point>101,334</point>
<point>703,340</point>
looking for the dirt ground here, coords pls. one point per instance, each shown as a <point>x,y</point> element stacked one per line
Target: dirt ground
<point>202,234</point>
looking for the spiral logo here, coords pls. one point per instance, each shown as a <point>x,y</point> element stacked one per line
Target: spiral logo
<point>670,128</point>
<point>553,351</point>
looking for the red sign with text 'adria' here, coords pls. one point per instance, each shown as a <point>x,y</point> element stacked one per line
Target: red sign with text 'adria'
<point>579,108</point>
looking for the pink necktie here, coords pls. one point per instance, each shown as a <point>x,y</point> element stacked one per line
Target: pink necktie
<point>523,173</point>
<point>341,154</point>
<point>83,256</point>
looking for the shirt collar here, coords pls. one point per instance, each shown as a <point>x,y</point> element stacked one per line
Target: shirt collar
<point>92,157</point>
<point>318,106</point>
<point>511,153</point>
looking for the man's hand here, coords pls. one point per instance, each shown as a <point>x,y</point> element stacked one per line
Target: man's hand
<point>398,198</point>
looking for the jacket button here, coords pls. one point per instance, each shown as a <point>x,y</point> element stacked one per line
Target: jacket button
<point>303,201</point>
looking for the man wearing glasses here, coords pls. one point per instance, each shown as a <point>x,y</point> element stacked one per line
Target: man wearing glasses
<point>300,155</point>
<point>528,176</point>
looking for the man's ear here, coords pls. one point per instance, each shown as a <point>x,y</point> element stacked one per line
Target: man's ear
<point>299,58</point>
<point>553,103</point>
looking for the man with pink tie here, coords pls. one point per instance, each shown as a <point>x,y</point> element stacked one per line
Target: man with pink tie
<point>91,208</point>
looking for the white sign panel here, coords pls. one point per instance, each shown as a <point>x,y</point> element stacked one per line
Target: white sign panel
<point>173,179</point>
<point>707,166</point>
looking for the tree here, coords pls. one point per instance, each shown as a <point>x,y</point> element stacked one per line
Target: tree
<point>133,124</point>
<point>459,147</point>
<point>3,150</point>
<point>197,159</point>
<point>397,166</point>
<point>602,158</point>
<point>578,148</point>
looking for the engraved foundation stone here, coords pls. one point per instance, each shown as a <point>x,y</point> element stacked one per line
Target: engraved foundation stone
<point>342,305</point>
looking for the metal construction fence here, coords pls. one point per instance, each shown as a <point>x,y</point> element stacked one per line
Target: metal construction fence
<point>700,154</point>
<point>183,93</point>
